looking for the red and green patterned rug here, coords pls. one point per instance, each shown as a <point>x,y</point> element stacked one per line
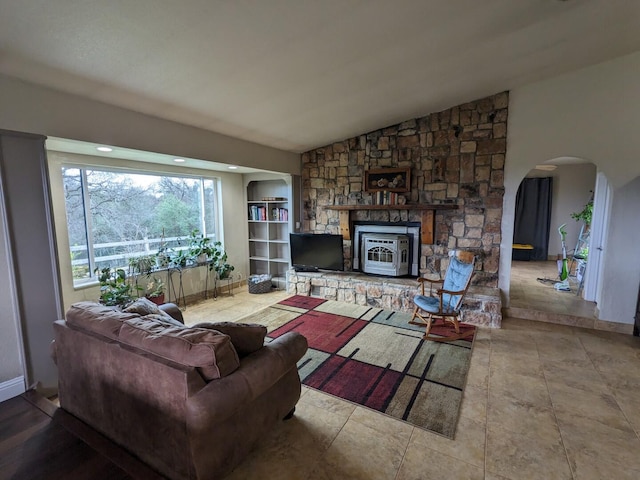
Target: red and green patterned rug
<point>374,358</point>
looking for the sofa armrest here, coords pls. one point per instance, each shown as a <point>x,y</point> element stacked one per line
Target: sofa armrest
<point>173,310</point>
<point>221,398</point>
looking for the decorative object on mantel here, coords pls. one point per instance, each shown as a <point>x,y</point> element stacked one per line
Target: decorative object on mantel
<point>387,179</point>
<point>372,357</point>
<point>406,206</point>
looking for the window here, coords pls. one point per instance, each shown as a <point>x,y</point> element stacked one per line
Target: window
<point>115,215</point>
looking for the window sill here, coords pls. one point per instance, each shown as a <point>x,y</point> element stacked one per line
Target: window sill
<point>85,285</point>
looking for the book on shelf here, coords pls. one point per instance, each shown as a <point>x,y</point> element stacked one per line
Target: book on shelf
<point>384,197</point>
<point>280,214</point>
<point>274,199</point>
<point>257,213</point>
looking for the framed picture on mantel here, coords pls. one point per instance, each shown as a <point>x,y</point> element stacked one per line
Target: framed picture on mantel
<point>387,179</point>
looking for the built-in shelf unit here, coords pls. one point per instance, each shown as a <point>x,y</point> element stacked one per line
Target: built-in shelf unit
<point>269,217</point>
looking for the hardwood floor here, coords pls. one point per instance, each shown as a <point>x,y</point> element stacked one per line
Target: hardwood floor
<point>39,441</point>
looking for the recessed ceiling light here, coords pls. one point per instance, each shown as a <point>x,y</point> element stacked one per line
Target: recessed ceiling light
<point>104,149</point>
<point>232,167</point>
<point>179,160</point>
<point>546,167</point>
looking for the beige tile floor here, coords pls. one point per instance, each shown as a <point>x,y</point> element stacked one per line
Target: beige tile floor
<point>542,401</point>
<point>535,300</point>
<point>527,292</point>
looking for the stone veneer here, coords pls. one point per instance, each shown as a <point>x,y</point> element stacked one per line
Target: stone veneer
<point>481,306</point>
<point>456,156</point>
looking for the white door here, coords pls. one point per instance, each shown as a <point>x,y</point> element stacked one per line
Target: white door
<point>599,228</point>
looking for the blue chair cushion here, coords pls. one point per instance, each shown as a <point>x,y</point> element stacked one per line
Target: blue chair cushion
<point>455,280</point>
<point>430,304</point>
<point>457,275</point>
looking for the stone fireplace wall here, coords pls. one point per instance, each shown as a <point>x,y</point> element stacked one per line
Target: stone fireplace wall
<point>456,156</point>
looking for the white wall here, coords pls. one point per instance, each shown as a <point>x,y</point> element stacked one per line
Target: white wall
<point>233,225</point>
<point>572,185</point>
<point>590,114</point>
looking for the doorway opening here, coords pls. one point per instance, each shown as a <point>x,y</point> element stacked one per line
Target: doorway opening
<point>536,291</point>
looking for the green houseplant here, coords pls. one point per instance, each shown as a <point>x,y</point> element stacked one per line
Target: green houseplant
<point>218,262</point>
<point>114,288</point>
<point>203,250</point>
<point>142,265</point>
<point>179,259</point>
<point>163,253</point>
<point>585,215</point>
<point>200,247</point>
<point>154,290</point>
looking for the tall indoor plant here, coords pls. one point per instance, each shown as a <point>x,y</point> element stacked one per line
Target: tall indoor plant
<point>218,262</point>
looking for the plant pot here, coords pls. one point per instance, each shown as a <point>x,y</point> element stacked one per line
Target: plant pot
<point>158,299</point>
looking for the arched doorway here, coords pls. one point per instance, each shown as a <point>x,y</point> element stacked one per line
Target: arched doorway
<point>532,283</point>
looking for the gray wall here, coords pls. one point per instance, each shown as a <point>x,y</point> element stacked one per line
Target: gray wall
<point>11,361</point>
<point>572,185</point>
<point>31,108</point>
<point>32,241</point>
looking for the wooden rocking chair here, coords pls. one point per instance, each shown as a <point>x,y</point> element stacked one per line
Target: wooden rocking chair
<point>444,302</point>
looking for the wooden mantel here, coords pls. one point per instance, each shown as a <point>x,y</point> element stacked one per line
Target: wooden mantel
<point>428,216</point>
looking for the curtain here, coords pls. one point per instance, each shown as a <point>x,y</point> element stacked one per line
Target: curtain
<point>533,215</point>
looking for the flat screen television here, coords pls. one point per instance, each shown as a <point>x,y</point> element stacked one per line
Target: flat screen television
<point>316,251</point>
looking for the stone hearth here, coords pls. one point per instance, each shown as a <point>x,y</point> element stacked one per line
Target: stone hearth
<point>482,305</point>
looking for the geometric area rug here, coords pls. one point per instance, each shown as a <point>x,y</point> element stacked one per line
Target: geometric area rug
<point>374,358</point>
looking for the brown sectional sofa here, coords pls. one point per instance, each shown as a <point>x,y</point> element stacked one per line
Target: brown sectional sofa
<point>184,400</point>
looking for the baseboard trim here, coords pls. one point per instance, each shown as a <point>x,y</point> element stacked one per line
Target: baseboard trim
<point>12,388</point>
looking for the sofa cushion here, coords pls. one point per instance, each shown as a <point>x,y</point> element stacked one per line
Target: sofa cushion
<point>143,306</point>
<point>98,318</point>
<point>170,322</point>
<point>245,337</point>
<point>173,310</point>
<point>211,352</point>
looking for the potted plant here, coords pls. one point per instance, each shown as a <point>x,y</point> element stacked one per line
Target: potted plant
<point>179,259</point>
<point>200,247</point>
<point>142,265</point>
<point>114,288</point>
<point>163,253</point>
<point>154,290</point>
<point>585,215</point>
<point>219,262</point>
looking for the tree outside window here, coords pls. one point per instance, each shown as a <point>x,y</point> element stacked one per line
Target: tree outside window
<point>115,215</point>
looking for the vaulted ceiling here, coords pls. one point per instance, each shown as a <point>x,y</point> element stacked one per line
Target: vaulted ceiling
<point>297,74</point>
